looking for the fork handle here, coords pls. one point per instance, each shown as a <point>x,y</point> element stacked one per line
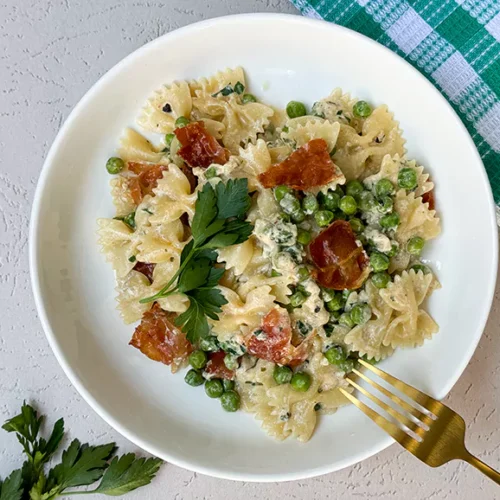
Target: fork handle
<point>485,469</point>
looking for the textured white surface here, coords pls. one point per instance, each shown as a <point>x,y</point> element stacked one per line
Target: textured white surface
<point>52,52</point>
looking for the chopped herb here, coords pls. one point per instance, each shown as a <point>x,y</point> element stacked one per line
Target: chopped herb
<point>132,258</point>
<point>147,211</point>
<point>239,88</point>
<point>227,90</point>
<point>317,406</point>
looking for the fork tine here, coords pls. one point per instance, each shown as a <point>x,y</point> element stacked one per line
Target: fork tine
<point>393,430</point>
<point>422,417</point>
<point>402,419</point>
<point>421,398</point>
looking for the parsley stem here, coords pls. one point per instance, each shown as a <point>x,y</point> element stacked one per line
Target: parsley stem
<point>165,292</point>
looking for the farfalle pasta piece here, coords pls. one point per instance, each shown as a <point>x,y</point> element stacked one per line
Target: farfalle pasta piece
<point>173,197</point>
<point>337,107</point>
<point>217,82</point>
<point>237,312</point>
<point>122,197</point>
<point>237,257</point>
<point>368,339</point>
<point>166,105</point>
<point>242,121</point>
<point>136,148</point>
<point>416,219</point>
<point>304,129</point>
<point>131,289</point>
<point>160,242</point>
<point>361,155</point>
<point>410,325</point>
<point>118,243</point>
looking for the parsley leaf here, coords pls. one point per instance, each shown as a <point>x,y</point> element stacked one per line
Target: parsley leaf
<point>206,212</point>
<point>233,199</point>
<point>227,90</point>
<point>193,321</point>
<point>127,473</point>
<point>211,300</point>
<point>12,487</point>
<point>81,465</point>
<point>194,275</point>
<point>214,277</point>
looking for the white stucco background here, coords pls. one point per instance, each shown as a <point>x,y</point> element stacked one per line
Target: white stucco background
<point>51,52</point>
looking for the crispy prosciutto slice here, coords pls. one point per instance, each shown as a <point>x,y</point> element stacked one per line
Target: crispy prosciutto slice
<point>199,148</point>
<point>308,167</point>
<point>216,367</point>
<point>429,198</point>
<point>160,340</point>
<point>148,175</point>
<point>340,262</point>
<point>273,340</point>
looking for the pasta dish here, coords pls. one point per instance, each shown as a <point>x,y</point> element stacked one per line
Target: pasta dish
<point>269,249</point>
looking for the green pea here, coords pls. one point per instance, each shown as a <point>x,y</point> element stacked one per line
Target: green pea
<point>348,205</point>
<point>194,378</point>
<point>248,98</point>
<point>357,225</point>
<point>130,220</point>
<point>182,121</point>
<point>231,361</point>
<point>298,216</point>
<point>336,304</point>
<point>275,274</point>
<point>290,204</point>
<point>393,251</point>
<point>415,245</point>
<point>331,200</point>
<point>297,299</point>
<point>381,280</point>
<point>310,204</point>
<point>407,178</point>
<point>385,205</point>
<point>389,221</point>
<point>168,139</point>
<point>420,267</point>
<point>210,172</point>
<point>294,109</point>
<point>323,217</point>
<point>362,109</point>
<point>228,384</point>
<point>214,388</point>
<point>334,355</point>
<point>361,313</point>
<point>346,320</point>
<point>198,359</point>
<point>303,237</point>
<point>230,401</point>
<point>366,201</point>
<point>339,215</point>
<point>209,344</point>
<point>282,374</point>
<point>303,273</point>
<point>379,261</point>
<point>354,188</point>
<point>347,365</point>
<point>115,165</point>
<point>384,187</point>
<point>301,381</point>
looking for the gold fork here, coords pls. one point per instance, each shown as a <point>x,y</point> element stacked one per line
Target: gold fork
<point>427,428</point>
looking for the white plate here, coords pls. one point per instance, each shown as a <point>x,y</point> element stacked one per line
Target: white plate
<point>285,57</point>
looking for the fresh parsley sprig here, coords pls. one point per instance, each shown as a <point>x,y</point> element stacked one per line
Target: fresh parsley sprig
<point>218,222</point>
<point>81,464</point>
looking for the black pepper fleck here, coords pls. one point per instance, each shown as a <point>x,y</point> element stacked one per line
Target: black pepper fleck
<point>167,108</point>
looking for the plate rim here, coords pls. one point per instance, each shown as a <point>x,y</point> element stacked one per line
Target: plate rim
<point>34,244</point>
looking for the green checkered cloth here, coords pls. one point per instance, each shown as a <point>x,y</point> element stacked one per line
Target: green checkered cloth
<point>454,43</point>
